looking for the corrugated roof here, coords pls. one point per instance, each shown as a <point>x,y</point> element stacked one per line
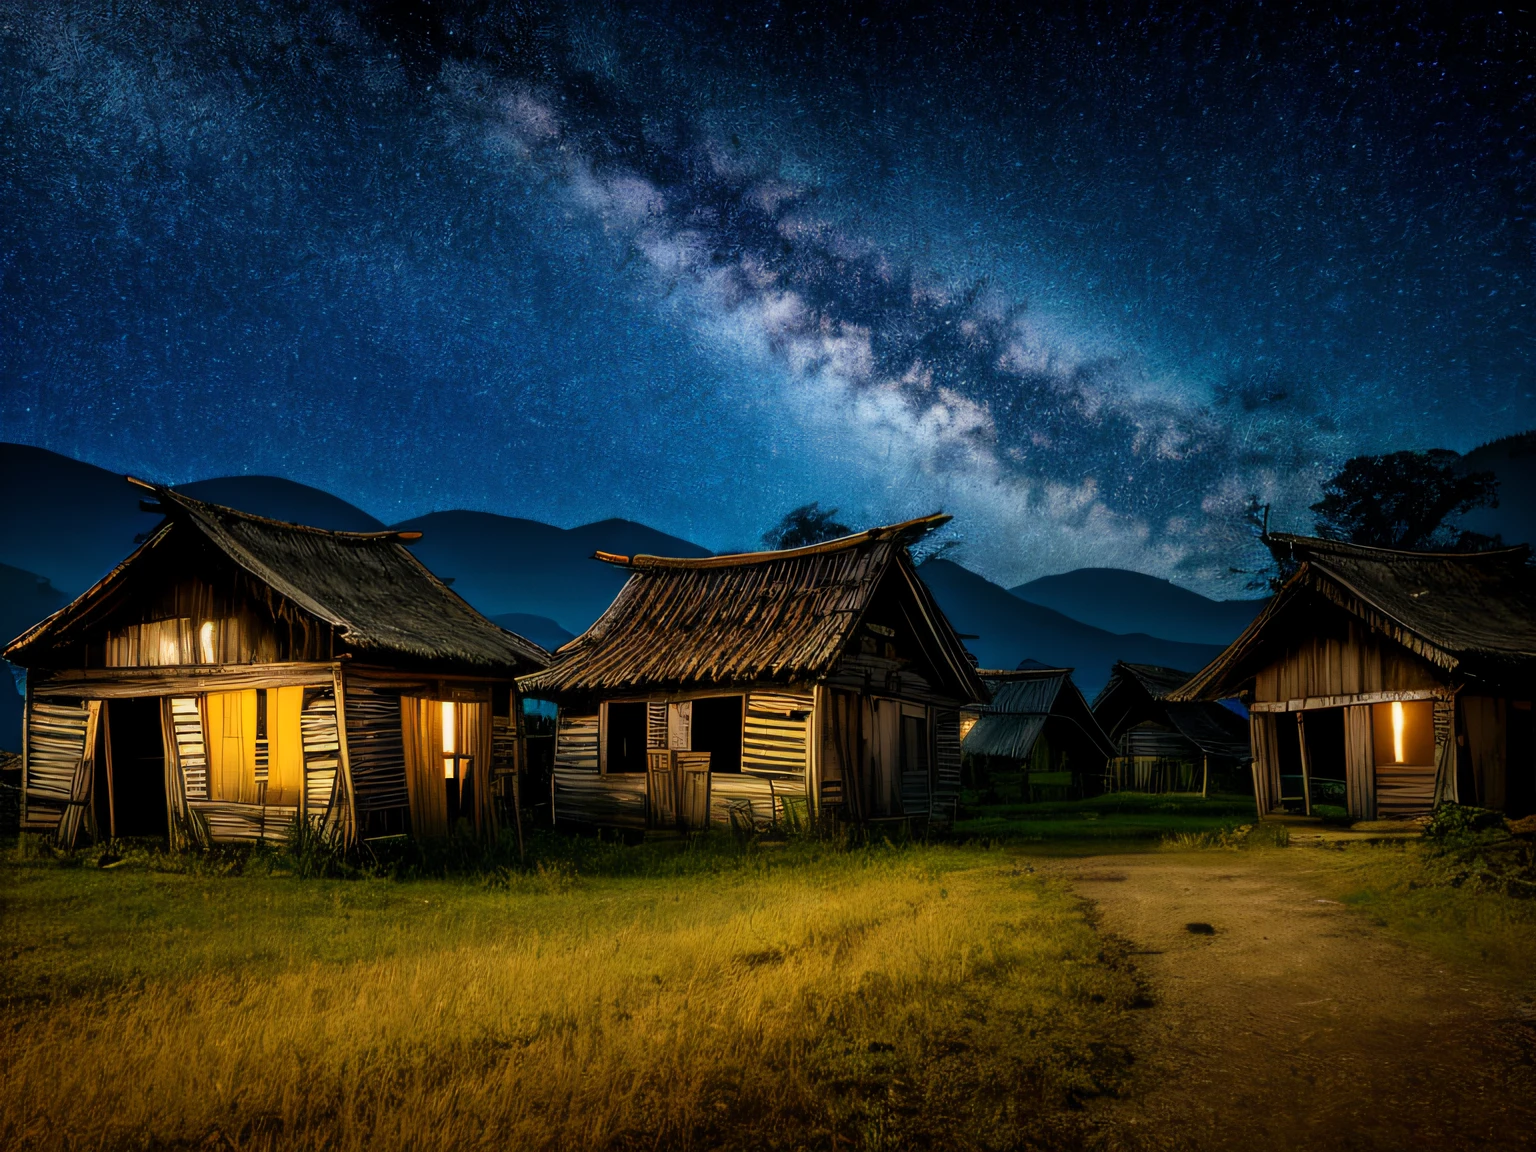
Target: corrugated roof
<point>1451,609</point>
<point>1005,735</point>
<point>1033,690</point>
<point>762,616</point>
<point>367,584</point>
<point>1022,701</point>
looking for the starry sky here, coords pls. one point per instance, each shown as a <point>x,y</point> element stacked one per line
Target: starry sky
<point>1085,277</point>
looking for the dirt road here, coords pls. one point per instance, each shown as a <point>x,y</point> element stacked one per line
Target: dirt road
<point>1294,1023</point>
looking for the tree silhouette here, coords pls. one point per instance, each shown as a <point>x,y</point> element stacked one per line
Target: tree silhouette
<point>807,524</point>
<point>1405,500</point>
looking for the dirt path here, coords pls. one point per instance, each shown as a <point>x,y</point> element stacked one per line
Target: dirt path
<point>1296,1024</point>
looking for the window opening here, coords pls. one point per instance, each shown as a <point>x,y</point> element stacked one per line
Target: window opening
<point>625,738</point>
<point>717,729</point>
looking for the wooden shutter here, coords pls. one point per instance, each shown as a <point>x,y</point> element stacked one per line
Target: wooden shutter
<point>58,767</point>
<point>322,754</point>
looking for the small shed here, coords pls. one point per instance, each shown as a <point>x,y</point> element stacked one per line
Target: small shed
<point>1036,733</point>
<point>237,674</point>
<point>1409,676</point>
<point>761,687</point>
<point>1163,745</point>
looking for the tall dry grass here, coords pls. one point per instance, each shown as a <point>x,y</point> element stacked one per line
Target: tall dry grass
<point>933,997</point>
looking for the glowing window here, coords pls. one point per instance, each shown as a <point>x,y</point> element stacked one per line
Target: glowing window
<point>1405,732</point>
<point>205,642</point>
<point>449,748</point>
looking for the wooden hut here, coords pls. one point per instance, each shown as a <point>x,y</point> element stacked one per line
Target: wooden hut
<point>758,687</point>
<point>236,674</point>
<point>1036,733</point>
<point>1161,745</point>
<point>1408,675</point>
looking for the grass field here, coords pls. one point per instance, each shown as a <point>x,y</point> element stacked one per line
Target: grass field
<point>1429,895</point>
<point>717,995</point>
<point>1117,820</point>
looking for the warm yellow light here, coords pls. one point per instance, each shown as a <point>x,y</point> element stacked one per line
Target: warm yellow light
<point>448,739</point>
<point>1397,731</point>
<point>205,641</point>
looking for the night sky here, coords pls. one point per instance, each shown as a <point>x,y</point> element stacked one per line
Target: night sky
<point>1085,279</point>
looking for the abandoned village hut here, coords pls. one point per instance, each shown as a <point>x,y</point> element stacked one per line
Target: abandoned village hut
<point>1162,745</point>
<point>236,674</point>
<point>763,687</point>
<point>1407,675</point>
<point>1036,735</point>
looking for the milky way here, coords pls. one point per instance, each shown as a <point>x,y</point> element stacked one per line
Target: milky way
<point>1089,282</point>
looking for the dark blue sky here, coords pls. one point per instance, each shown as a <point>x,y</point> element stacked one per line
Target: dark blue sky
<point>1085,279</point>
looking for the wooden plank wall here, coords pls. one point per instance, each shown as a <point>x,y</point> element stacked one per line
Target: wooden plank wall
<point>612,801</point>
<point>191,746</point>
<point>229,823</point>
<point>56,739</point>
<point>322,752</point>
<point>376,749</point>
<point>775,739</point>
<point>1342,658</point>
<point>760,799</point>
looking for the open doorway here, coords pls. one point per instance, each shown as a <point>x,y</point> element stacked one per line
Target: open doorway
<point>1324,728</point>
<point>137,759</point>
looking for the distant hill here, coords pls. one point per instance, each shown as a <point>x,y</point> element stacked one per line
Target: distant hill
<point>281,499</point>
<point>502,564</point>
<point>1012,629</point>
<point>66,520</point>
<point>1123,602</point>
<point>1513,460</point>
<point>25,598</point>
<point>540,629</point>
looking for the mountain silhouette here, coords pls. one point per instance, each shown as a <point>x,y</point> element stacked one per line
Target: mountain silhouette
<point>503,564</point>
<point>64,519</point>
<point>1121,601</point>
<point>1011,630</point>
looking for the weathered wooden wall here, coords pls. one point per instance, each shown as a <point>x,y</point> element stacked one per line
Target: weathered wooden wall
<point>1339,658</point>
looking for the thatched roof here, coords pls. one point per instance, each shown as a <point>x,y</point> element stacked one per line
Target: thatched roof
<point>1022,702</point>
<point>379,597</point>
<point>783,617</point>
<point>1471,612</point>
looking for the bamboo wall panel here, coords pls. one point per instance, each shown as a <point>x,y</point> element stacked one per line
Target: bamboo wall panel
<point>776,733</point>
<point>576,743</point>
<point>56,750</point>
<point>1348,661</point>
<point>656,724</point>
<point>376,750</point>
<point>322,754</point>
<point>191,746</point>
<point>760,800</point>
<point>584,797</point>
<point>228,823</point>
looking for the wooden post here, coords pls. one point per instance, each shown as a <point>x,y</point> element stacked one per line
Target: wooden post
<point>343,765</point>
<point>1205,774</point>
<point>106,739</point>
<point>1306,765</point>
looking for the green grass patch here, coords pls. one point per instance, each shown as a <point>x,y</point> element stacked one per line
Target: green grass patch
<point>695,994</point>
<point>1117,819</point>
<point>1443,898</point>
